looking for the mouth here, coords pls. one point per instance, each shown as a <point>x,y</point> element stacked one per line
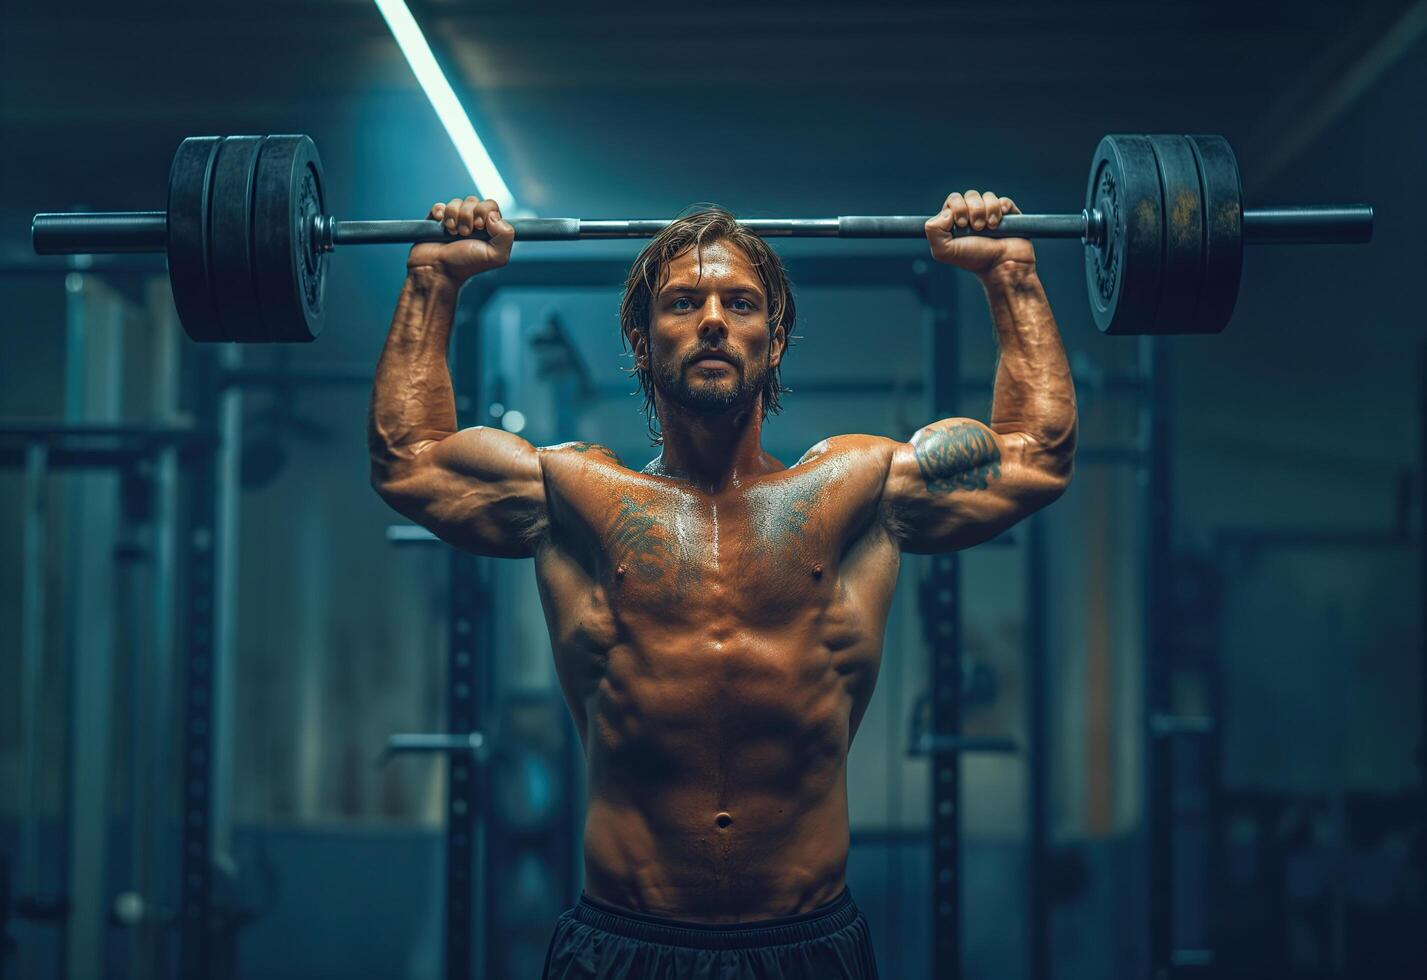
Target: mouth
<point>712,361</point>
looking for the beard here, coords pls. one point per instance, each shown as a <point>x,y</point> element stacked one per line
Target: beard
<point>706,393</point>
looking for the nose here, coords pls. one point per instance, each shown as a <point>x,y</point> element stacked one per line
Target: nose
<point>713,322</point>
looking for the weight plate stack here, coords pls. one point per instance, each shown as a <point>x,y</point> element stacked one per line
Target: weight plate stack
<point>1183,235</point>
<point>190,179</point>
<point>290,272</point>
<point>230,255</point>
<point>1223,232</point>
<point>1123,272</point>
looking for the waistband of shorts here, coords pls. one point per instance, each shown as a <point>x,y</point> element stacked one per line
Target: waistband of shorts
<point>819,922</point>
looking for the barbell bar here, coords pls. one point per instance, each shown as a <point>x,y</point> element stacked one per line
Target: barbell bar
<point>77,232</point>
<point>247,236</point>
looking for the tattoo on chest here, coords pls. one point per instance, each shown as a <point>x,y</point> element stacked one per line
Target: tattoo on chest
<point>783,515</point>
<point>958,457</point>
<point>640,539</point>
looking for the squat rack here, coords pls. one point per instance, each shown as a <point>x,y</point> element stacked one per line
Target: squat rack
<point>105,521</point>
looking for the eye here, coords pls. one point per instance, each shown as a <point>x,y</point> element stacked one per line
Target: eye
<point>742,306</point>
<point>683,303</point>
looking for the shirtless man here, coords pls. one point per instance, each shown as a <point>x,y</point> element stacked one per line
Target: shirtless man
<point>717,618</point>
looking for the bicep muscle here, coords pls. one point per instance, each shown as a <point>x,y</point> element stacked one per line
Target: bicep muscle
<point>957,482</point>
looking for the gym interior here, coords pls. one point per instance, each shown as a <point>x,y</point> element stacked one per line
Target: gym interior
<point>254,723</point>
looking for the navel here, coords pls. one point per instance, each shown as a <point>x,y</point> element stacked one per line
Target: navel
<point>818,570</point>
<point>723,820</point>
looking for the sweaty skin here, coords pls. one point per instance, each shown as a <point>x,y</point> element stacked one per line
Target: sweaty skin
<point>717,651</point>
<point>717,618</point>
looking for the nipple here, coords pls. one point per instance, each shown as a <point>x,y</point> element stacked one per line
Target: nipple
<point>723,820</point>
<point>619,572</point>
<point>818,570</point>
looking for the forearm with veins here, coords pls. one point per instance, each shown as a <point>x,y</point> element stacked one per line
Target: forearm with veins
<point>412,398</point>
<point>1034,394</point>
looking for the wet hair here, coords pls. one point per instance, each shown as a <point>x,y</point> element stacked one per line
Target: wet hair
<point>704,225</point>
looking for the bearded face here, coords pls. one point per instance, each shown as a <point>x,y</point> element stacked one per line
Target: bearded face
<point>701,386</point>
<point>709,350</point>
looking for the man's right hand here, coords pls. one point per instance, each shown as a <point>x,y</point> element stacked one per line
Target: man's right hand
<point>461,258</point>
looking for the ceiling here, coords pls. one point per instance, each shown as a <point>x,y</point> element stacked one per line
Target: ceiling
<point>768,105</point>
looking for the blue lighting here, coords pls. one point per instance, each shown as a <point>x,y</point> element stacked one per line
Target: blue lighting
<point>448,109</point>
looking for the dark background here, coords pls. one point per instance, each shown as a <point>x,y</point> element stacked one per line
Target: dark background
<point>1295,443</point>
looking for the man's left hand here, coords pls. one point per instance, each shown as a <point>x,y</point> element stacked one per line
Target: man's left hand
<point>972,212</point>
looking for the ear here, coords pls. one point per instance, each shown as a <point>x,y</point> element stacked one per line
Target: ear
<point>777,345</point>
<point>639,346</point>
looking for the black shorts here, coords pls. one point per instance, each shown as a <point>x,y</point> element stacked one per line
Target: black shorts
<point>594,940</point>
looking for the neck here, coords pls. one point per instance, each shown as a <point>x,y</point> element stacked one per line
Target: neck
<point>712,451</point>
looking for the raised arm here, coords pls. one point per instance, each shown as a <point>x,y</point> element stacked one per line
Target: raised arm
<point>480,489</point>
<point>958,482</point>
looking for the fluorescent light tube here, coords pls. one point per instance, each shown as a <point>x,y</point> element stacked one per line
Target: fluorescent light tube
<point>448,109</point>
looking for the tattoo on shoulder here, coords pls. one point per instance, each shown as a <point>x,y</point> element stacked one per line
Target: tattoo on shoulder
<point>957,457</point>
<point>596,448</point>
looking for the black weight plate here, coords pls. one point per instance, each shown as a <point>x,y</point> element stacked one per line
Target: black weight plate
<point>230,239</point>
<point>1123,271</point>
<point>1223,232</point>
<point>189,181</point>
<point>1183,235</point>
<point>291,274</point>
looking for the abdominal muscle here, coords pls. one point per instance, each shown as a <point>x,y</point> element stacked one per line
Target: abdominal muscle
<point>717,790</point>
<point>676,859</point>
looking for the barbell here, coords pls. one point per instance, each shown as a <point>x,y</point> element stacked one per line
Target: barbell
<point>247,234</point>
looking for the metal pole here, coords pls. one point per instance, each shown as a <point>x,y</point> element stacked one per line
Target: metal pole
<point>131,905</point>
<point>1327,225</point>
<point>201,616</point>
<point>68,233</point>
<point>93,389</point>
<point>941,611</point>
<point>1159,814</point>
<point>1422,607</point>
<point>468,670</point>
<point>196,867</point>
<point>153,877</point>
<point>464,771</point>
<point>1038,734</point>
<point>225,612</point>
<point>332,233</point>
<point>32,650</point>
<point>1287,225</point>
